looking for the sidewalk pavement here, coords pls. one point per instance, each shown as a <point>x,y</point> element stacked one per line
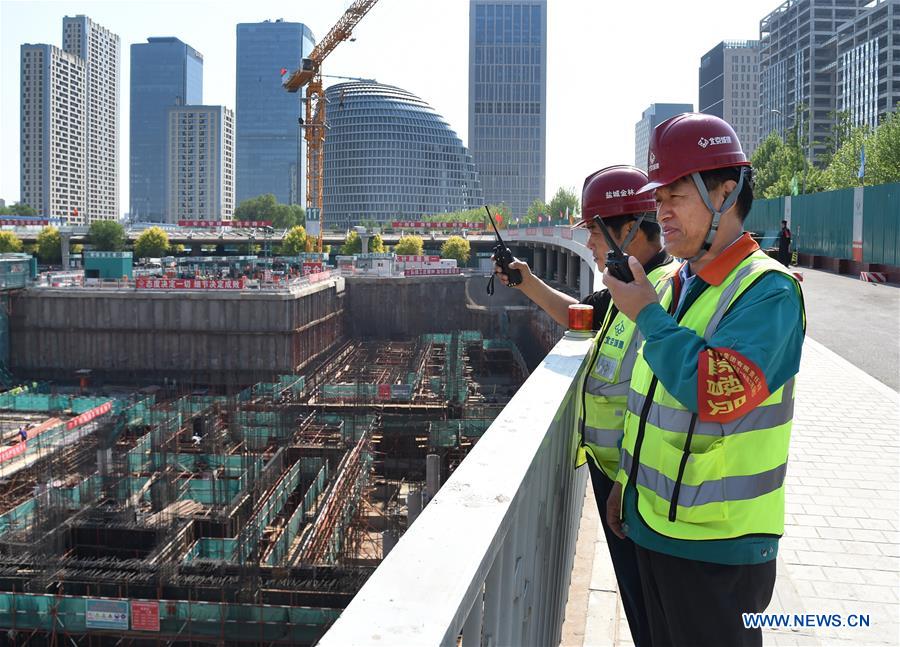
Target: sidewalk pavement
<point>841,548</point>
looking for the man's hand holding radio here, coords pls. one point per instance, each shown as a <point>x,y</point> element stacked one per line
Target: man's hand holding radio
<point>630,298</point>
<point>516,264</point>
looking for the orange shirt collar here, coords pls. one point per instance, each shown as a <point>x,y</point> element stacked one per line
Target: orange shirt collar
<point>718,269</point>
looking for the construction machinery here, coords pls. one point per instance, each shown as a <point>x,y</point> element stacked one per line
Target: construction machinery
<point>309,74</point>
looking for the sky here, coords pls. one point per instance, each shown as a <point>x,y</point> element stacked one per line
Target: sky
<point>607,61</point>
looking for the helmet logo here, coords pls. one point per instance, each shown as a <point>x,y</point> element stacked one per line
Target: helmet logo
<point>653,163</point>
<point>703,142</point>
<point>621,193</point>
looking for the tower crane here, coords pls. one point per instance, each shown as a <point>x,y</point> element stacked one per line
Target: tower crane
<point>309,74</point>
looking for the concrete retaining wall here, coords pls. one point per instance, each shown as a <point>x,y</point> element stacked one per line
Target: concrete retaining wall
<point>131,336</point>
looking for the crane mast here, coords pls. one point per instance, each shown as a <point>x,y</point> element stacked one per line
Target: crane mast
<point>309,74</point>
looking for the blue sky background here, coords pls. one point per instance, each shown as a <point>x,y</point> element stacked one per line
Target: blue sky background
<point>606,62</point>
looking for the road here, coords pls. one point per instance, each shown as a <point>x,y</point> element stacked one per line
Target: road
<point>859,321</point>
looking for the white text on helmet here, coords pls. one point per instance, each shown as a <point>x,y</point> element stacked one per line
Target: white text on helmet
<point>703,142</point>
<point>619,194</point>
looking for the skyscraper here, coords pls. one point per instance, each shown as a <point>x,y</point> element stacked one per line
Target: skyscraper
<point>53,150</point>
<point>868,63</point>
<point>100,50</point>
<point>70,124</point>
<point>389,155</point>
<point>650,119</point>
<point>508,99</point>
<point>200,173</point>
<point>270,152</point>
<point>797,64</point>
<point>165,72</point>
<point>729,88</point>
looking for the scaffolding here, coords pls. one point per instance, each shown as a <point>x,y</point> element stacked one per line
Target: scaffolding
<point>251,514</point>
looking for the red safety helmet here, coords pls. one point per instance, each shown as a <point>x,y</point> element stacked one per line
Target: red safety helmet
<point>614,191</point>
<point>690,143</point>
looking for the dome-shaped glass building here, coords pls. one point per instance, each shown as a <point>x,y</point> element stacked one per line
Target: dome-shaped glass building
<point>390,156</point>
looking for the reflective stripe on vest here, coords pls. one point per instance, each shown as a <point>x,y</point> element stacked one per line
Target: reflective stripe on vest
<point>607,383</point>
<point>704,480</point>
<point>678,420</point>
<point>727,488</point>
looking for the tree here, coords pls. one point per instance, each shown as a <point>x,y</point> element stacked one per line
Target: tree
<point>565,199</point>
<point>288,216</point>
<point>456,247</point>
<point>535,209</point>
<point>376,244</point>
<point>472,215</point>
<point>411,245</point>
<point>18,209</point>
<point>9,242</point>
<point>107,236</point>
<point>294,241</point>
<point>266,207</point>
<point>353,245</point>
<point>765,173</point>
<point>882,156</point>
<point>153,242</point>
<point>262,207</point>
<point>49,246</point>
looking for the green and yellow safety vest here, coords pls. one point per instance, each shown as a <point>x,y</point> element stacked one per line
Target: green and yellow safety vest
<point>604,386</point>
<point>699,480</point>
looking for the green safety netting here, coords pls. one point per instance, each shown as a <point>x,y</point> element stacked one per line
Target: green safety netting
<point>301,625</point>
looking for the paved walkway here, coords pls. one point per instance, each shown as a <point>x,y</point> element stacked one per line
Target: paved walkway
<point>841,548</point>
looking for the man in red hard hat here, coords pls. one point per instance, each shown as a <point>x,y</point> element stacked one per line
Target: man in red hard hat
<point>614,196</point>
<point>700,485</point>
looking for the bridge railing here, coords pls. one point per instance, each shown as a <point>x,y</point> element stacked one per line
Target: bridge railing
<point>488,562</point>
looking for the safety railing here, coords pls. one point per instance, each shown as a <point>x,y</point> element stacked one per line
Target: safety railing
<point>488,562</point>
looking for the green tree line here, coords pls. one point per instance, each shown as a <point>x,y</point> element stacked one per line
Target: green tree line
<point>782,167</point>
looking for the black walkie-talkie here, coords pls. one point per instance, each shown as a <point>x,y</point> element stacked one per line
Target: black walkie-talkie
<point>616,259</point>
<point>503,256</point>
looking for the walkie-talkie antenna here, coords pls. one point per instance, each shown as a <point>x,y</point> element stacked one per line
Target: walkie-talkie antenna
<point>499,239</point>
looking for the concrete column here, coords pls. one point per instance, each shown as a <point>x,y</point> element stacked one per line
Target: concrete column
<point>539,261</point>
<point>550,272</point>
<point>64,248</point>
<point>432,474</point>
<point>413,505</point>
<point>572,271</point>
<point>586,280</point>
<point>388,541</point>
<point>561,265</point>
<point>104,461</point>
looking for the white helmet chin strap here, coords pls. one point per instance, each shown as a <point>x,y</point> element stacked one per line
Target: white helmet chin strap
<point>716,213</point>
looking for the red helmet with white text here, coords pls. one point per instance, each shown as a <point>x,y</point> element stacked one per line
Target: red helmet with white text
<point>689,143</point>
<point>614,191</point>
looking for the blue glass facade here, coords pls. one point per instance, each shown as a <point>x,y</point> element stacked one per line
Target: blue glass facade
<point>165,72</point>
<point>389,155</point>
<point>508,99</point>
<point>271,156</point>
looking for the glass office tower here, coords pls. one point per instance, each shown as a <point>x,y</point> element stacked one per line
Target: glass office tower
<point>271,156</point>
<point>165,72</point>
<point>391,156</point>
<point>508,99</point>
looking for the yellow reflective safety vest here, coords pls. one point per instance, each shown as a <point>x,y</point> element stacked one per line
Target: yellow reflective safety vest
<point>604,386</point>
<point>699,480</point>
